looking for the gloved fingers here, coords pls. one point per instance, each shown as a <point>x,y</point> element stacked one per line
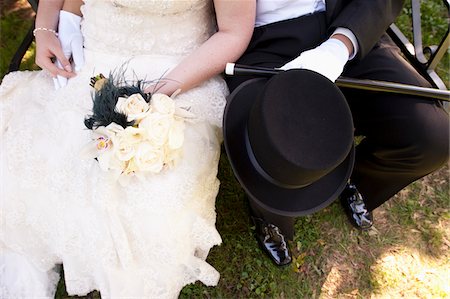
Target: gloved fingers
<point>77,52</point>
<point>60,80</point>
<point>63,73</point>
<point>53,69</point>
<point>318,61</point>
<point>296,63</point>
<point>328,59</point>
<point>325,68</point>
<point>56,83</point>
<point>63,60</point>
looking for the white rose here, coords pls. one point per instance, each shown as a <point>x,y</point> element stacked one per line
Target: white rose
<point>124,142</point>
<point>156,127</point>
<point>109,161</point>
<point>134,107</point>
<point>149,158</point>
<point>108,131</point>
<point>176,134</point>
<point>162,103</point>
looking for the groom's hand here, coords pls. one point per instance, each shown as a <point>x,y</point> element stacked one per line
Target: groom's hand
<point>328,59</point>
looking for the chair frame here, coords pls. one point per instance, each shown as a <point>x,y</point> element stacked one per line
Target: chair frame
<point>415,52</point>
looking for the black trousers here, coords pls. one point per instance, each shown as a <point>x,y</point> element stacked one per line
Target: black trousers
<point>405,137</point>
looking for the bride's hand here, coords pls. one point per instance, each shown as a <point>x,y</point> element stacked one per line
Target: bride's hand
<point>48,48</point>
<point>71,40</point>
<point>165,86</point>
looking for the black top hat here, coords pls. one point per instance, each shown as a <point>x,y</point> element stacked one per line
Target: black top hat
<point>289,140</point>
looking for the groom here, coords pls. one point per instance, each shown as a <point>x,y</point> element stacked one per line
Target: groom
<point>405,137</point>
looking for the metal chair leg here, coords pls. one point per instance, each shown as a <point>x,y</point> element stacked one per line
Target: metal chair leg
<point>17,58</point>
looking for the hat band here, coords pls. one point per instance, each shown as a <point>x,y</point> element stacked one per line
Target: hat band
<point>262,172</point>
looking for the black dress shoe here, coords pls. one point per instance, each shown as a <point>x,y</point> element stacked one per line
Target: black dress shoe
<point>272,241</point>
<point>354,206</point>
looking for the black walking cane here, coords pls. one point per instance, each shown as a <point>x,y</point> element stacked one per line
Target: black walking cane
<point>364,84</point>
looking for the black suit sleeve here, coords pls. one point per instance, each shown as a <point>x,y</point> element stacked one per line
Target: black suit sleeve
<point>367,19</point>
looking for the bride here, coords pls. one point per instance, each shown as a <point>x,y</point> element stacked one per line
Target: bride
<point>148,238</point>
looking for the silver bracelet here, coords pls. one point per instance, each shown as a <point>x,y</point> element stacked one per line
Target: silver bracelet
<point>44,29</point>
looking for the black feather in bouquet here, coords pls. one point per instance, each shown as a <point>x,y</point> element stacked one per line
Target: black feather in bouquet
<point>107,92</point>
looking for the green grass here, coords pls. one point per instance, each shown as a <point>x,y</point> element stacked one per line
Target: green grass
<point>331,259</point>
<point>14,25</point>
<point>425,208</point>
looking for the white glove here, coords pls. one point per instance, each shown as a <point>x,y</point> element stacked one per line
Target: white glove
<point>327,59</point>
<point>69,33</point>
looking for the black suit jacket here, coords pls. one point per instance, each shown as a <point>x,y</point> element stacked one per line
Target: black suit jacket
<point>367,19</point>
<point>274,44</point>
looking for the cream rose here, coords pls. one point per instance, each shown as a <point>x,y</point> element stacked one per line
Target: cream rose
<point>107,131</point>
<point>162,103</point>
<point>134,107</point>
<point>131,167</point>
<point>149,158</point>
<point>124,142</point>
<point>156,127</point>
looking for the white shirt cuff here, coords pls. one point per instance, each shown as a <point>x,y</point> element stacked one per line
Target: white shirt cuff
<point>348,33</point>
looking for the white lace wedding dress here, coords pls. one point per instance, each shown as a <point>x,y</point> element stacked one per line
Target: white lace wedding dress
<point>148,239</point>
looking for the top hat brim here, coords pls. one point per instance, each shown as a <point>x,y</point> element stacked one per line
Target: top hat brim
<point>276,199</point>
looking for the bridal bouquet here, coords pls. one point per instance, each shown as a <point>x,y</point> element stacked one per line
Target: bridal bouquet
<point>134,133</point>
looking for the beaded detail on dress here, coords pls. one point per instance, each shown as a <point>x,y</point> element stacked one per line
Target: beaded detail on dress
<point>147,27</point>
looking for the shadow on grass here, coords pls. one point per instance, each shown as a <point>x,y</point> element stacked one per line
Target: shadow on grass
<point>404,255</point>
